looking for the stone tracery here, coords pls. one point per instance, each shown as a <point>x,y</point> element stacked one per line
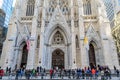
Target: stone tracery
<point>63,4</point>
<point>58,38</point>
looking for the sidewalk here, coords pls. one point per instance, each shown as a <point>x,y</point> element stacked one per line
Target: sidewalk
<point>48,78</point>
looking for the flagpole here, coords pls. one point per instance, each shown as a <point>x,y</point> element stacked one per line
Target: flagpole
<point>86,45</point>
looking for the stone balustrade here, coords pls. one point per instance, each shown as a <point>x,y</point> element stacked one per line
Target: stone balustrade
<point>26,19</point>
<point>90,17</point>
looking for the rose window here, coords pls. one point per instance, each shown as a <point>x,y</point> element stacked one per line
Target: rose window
<point>58,38</point>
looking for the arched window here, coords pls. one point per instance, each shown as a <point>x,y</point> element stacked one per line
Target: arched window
<point>52,5</point>
<point>87,7</point>
<point>30,8</point>
<point>63,6</point>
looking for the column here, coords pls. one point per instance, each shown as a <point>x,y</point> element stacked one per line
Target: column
<point>83,50</point>
<point>73,37</point>
<point>31,53</point>
<point>41,50</point>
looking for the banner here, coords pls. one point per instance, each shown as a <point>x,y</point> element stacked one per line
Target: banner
<point>86,43</point>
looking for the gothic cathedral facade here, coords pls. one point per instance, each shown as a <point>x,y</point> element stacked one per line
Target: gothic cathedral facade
<point>59,33</point>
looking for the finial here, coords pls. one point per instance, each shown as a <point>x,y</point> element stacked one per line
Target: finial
<point>57,2</point>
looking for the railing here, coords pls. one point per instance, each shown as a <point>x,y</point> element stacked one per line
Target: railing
<point>44,74</point>
<point>58,74</point>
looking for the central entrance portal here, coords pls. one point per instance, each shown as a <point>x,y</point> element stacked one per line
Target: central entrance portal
<point>92,60</point>
<point>24,57</point>
<point>58,59</point>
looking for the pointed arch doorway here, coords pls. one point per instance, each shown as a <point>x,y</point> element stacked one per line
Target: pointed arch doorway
<point>92,56</point>
<point>58,59</point>
<point>24,57</point>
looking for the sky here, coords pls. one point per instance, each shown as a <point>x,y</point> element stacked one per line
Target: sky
<point>14,3</point>
<point>1,1</point>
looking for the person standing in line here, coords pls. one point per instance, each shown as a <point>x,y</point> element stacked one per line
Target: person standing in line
<point>102,74</point>
<point>6,69</point>
<point>117,71</point>
<point>40,68</point>
<point>42,73</point>
<point>62,73</point>
<point>93,73</point>
<point>17,74</point>
<point>51,73</point>
<point>83,74</point>
<point>1,73</point>
<point>69,73</point>
<point>77,76</point>
<point>73,73</point>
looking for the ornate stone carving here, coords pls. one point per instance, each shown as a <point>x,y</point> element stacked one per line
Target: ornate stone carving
<point>58,38</point>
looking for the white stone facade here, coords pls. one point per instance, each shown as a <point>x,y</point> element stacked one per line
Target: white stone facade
<point>59,26</point>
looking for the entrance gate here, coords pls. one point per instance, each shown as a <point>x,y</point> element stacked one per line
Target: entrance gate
<point>92,59</point>
<point>24,57</point>
<point>58,59</point>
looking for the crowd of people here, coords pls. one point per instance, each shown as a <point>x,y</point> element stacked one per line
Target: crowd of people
<point>87,72</point>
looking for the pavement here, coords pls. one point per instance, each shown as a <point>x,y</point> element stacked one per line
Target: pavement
<point>55,78</point>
